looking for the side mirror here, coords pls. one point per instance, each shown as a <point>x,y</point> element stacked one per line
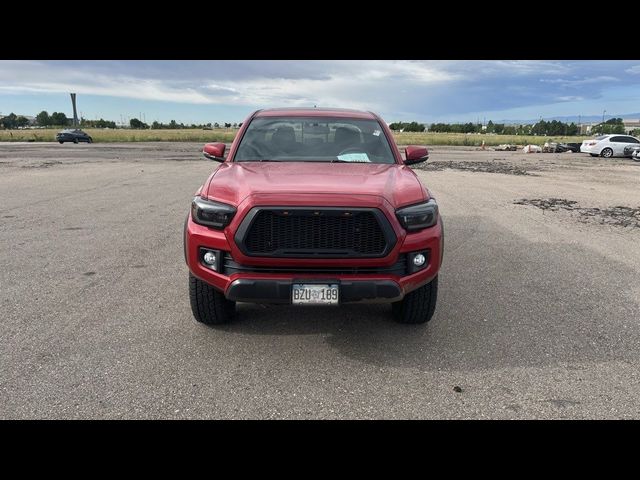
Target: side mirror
<point>214,151</point>
<point>415,154</point>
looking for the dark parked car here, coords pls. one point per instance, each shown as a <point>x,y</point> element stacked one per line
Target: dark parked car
<point>574,147</point>
<point>74,136</point>
<point>630,149</point>
<point>555,147</point>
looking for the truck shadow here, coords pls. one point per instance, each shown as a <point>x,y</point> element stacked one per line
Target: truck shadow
<point>503,302</point>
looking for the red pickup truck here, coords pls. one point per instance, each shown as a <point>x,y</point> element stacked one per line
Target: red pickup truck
<point>313,207</point>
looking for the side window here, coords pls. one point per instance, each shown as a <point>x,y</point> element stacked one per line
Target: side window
<point>631,140</point>
<point>617,140</point>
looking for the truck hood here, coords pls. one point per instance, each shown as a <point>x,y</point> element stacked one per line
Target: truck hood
<point>232,182</point>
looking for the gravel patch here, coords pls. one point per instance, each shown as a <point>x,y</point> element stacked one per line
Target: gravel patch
<point>484,167</point>
<point>621,216</point>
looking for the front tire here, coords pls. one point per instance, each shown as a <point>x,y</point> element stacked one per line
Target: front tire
<point>606,153</point>
<point>417,306</point>
<point>208,305</point>
<point>75,140</point>
<point>61,142</point>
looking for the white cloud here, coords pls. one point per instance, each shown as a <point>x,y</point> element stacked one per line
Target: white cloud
<point>569,98</point>
<point>398,89</point>
<point>334,88</point>
<point>581,81</point>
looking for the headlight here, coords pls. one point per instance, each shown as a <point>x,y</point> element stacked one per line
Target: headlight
<point>417,217</point>
<point>211,214</point>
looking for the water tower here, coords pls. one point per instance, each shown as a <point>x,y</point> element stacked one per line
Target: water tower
<point>75,112</point>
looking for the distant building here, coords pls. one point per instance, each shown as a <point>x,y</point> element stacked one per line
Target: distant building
<point>631,124</point>
<point>585,128</point>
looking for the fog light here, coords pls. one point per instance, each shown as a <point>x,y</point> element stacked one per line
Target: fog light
<point>210,259</point>
<point>419,259</point>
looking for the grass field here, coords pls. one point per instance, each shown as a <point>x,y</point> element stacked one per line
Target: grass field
<point>224,135</point>
<point>124,135</point>
<point>406,138</point>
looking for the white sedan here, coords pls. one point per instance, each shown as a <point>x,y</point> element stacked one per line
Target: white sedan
<point>608,146</point>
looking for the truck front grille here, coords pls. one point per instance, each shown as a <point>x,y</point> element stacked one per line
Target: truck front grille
<point>336,232</point>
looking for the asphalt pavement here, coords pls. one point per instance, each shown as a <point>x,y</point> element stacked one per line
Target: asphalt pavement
<point>538,313</point>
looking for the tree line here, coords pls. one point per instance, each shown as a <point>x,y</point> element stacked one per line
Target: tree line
<point>613,125</point>
<point>135,123</point>
<point>407,126</point>
<point>543,127</point>
<point>43,119</point>
<point>14,121</point>
<point>59,119</point>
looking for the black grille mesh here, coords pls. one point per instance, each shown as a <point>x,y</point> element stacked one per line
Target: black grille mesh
<point>326,232</point>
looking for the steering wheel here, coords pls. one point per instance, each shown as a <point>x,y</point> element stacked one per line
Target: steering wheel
<point>351,150</point>
<point>254,149</point>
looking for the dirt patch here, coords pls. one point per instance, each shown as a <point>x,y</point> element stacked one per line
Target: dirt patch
<point>47,164</point>
<point>553,204</point>
<point>484,167</point>
<point>620,216</point>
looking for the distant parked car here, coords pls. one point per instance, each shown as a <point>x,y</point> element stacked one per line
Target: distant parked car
<point>572,147</point>
<point>632,152</point>
<point>608,146</point>
<point>74,136</point>
<point>629,149</point>
<point>555,147</point>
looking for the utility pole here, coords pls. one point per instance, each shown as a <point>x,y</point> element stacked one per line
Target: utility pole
<point>603,112</point>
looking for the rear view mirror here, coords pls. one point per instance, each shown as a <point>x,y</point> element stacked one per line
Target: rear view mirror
<point>415,154</point>
<point>214,151</point>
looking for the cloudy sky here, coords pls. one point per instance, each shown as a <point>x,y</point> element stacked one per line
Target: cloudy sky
<point>227,91</point>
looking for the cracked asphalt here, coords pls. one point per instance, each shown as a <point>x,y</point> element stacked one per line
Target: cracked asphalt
<point>538,313</point>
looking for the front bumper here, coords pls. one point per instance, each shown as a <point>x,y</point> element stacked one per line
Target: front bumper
<point>385,285</point>
<point>279,291</point>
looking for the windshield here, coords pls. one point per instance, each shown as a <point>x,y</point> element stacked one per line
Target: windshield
<point>317,139</point>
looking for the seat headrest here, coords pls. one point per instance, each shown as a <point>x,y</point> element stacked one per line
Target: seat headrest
<point>284,135</point>
<point>347,136</point>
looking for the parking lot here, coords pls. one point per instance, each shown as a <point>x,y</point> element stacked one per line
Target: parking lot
<point>538,313</point>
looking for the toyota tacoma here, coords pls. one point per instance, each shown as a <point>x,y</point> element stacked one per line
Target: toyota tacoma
<point>313,207</point>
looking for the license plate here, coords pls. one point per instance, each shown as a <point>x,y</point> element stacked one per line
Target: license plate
<point>314,294</point>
